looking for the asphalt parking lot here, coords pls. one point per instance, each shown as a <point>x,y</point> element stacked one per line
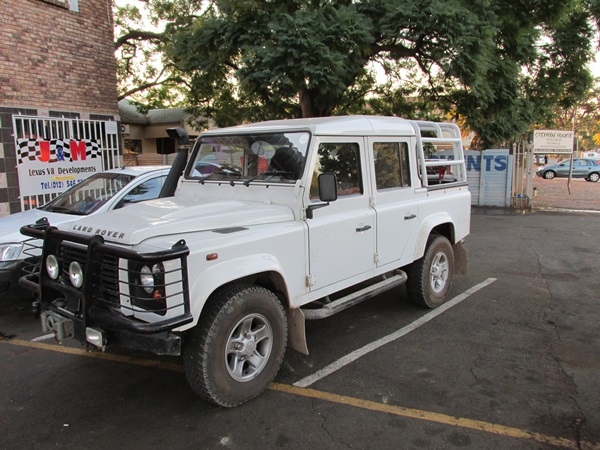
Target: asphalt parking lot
<point>514,362</point>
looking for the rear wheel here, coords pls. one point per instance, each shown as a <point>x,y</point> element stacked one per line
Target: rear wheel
<point>430,277</point>
<point>236,349</point>
<point>549,175</point>
<point>594,177</point>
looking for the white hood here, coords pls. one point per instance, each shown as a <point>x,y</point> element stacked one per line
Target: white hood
<point>163,217</point>
<point>10,225</point>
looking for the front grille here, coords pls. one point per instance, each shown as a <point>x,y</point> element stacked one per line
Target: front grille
<point>106,281</point>
<point>110,275</point>
<point>32,249</point>
<point>109,279</point>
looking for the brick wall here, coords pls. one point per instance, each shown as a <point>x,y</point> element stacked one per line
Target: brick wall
<point>55,60</point>
<point>51,57</point>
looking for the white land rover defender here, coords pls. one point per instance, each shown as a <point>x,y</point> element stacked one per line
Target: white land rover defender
<point>265,225</point>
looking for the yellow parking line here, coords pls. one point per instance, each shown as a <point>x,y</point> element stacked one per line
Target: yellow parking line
<point>433,417</point>
<point>94,354</point>
<point>444,419</point>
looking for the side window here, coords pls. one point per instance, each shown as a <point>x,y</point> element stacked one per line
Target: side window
<point>343,159</point>
<point>148,190</point>
<point>391,164</point>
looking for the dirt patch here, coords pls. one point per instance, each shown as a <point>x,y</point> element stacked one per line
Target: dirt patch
<point>554,193</point>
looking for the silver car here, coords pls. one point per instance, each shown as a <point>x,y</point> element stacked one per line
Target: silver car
<point>582,168</point>
<point>101,192</point>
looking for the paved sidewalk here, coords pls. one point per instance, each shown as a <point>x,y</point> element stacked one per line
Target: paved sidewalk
<point>552,194</point>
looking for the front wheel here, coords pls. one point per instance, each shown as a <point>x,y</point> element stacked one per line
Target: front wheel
<point>236,349</point>
<point>430,277</point>
<point>549,175</point>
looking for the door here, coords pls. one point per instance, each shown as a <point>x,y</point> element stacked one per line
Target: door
<point>562,170</point>
<point>581,168</point>
<point>397,211</point>
<point>342,234</point>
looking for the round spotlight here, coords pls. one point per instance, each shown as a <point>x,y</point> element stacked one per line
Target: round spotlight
<point>52,267</point>
<point>76,274</point>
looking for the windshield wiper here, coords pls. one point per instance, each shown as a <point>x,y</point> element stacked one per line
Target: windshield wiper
<point>63,210</point>
<point>268,173</point>
<point>220,172</point>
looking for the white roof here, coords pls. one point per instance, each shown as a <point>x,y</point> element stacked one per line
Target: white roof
<point>329,126</point>
<point>136,170</point>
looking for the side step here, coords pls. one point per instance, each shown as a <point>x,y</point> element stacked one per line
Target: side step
<point>355,298</point>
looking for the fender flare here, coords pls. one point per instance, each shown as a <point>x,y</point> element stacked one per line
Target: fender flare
<point>427,225</point>
<point>223,273</point>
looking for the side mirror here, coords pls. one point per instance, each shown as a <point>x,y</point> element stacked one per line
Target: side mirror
<point>327,192</point>
<point>327,187</point>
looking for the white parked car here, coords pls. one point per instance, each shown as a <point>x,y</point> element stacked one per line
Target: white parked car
<point>101,192</point>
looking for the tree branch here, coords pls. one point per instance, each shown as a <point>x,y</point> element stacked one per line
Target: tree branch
<point>144,86</point>
<point>138,35</point>
<point>150,84</point>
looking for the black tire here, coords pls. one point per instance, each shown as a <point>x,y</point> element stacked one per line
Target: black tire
<point>430,277</point>
<point>549,175</point>
<point>236,349</point>
<point>593,177</point>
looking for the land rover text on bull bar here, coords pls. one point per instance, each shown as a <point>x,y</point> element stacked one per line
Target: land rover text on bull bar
<point>262,227</point>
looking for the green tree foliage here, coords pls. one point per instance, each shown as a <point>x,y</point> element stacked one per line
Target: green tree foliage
<point>498,67</point>
<point>584,117</point>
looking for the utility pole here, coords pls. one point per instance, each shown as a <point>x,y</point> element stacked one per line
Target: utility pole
<point>573,148</point>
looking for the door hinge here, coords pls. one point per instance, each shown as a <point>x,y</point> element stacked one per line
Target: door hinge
<point>372,202</point>
<point>310,280</point>
<point>376,258</point>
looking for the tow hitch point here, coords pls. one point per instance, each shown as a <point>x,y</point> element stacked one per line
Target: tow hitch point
<point>61,327</point>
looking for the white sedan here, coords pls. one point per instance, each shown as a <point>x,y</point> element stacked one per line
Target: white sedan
<point>101,192</point>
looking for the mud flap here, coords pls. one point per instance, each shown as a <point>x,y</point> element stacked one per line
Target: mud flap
<point>460,258</point>
<point>297,331</point>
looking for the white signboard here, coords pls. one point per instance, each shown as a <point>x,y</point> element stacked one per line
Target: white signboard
<point>52,166</point>
<point>553,141</point>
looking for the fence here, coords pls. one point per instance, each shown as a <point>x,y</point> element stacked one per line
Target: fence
<point>43,141</point>
<point>489,174</point>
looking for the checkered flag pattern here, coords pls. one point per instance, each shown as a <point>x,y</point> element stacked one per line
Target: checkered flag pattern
<point>30,150</point>
<point>92,149</point>
<point>26,150</point>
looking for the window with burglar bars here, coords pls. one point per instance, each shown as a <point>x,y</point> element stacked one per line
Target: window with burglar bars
<point>34,129</point>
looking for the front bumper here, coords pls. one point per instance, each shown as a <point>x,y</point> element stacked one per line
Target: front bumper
<point>107,305</point>
<point>10,272</point>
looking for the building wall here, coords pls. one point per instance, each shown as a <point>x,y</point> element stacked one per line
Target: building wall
<point>56,60</point>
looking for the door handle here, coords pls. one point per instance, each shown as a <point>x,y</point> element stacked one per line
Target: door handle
<point>411,216</point>
<point>365,228</point>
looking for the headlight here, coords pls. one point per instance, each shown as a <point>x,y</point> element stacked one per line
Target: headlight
<point>10,251</point>
<point>52,267</point>
<point>148,287</point>
<point>76,274</point>
<point>147,279</point>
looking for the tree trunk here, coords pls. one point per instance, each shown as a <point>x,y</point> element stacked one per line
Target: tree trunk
<point>306,103</point>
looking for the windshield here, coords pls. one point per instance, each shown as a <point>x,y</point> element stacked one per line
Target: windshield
<point>89,195</point>
<point>274,157</point>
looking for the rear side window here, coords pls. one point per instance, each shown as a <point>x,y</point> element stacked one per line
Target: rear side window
<point>391,165</point>
<point>343,159</point>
